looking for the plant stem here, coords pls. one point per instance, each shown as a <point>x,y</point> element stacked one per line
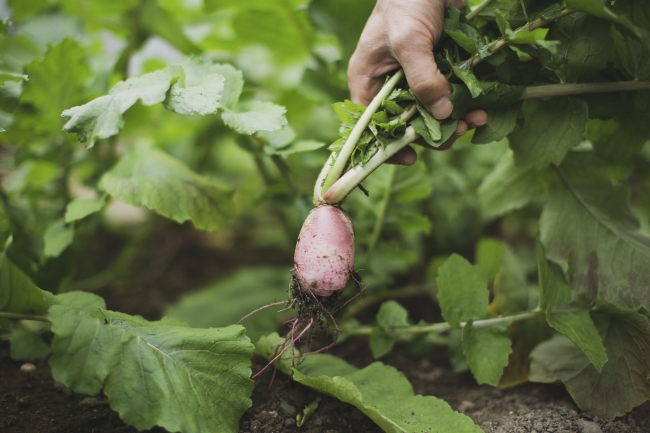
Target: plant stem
<point>318,188</point>
<point>285,172</point>
<point>350,144</point>
<point>478,9</point>
<point>503,42</point>
<point>15,316</point>
<point>441,327</point>
<point>367,301</point>
<point>583,88</point>
<point>379,222</point>
<point>346,184</point>
<point>133,38</point>
<point>357,174</point>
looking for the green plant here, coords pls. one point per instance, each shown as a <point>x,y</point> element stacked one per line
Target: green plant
<point>561,169</point>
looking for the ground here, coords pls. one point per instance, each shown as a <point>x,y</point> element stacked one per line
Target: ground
<point>37,404</point>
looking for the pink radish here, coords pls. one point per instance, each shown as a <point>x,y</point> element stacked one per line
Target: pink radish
<point>324,257</point>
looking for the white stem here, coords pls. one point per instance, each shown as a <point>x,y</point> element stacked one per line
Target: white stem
<point>350,144</point>
<point>318,188</point>
<point>344,186</point>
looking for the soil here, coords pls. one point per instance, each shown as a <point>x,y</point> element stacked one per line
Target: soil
<point>34,403</point>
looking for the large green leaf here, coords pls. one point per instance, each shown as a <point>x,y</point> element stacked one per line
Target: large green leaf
<point>27,344</point>
<point>153,373</point>
<point>635,15</point>
<point>555,293</point>
<point>588,229</point>
<point>225,302</point>
<point>18,293</point>
<point>462,291</point>
<point>486,349</point>
<point>552,127</point>
<point>150,177</point>
<point>379,391</point>
<point>55,82</point>
<point>509,187</point>
<point>187,87</point>
<point>623,382</point>
<point>583,48</point>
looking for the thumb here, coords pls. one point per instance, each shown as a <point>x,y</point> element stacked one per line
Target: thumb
<point>425,79</point>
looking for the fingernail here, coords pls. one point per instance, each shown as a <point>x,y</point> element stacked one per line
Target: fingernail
<point>441,109</point>
<point>480,123</point>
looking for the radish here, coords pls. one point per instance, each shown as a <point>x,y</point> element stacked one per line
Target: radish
<point>324,257</point>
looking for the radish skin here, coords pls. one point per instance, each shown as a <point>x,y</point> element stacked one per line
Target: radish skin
<point>324,257</point>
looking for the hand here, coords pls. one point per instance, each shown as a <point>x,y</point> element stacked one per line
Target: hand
<point>403,33</point>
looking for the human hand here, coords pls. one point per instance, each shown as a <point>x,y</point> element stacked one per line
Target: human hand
<point>403,33</point>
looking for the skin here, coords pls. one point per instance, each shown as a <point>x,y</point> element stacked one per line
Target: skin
<point>402,33</point>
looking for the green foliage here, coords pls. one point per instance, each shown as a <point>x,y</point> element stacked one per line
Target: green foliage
<point>588,229</point>
<point>379,391</point>
<point>555,294</point>
<point>27,343</point>
<point>18,293</point>
<point>150,177</point>
<point>82,207</point>
<point>225,302</point>
<point>551,128</point>
<point>194,380</point>
<point>391,315</point>
<point>462,291</point>
<point>486,350</point>
<point>627,340</point>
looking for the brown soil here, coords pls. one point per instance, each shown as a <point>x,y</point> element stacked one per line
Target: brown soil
<point>36,404</point>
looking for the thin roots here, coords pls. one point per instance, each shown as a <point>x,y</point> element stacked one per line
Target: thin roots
<point>313,314</point>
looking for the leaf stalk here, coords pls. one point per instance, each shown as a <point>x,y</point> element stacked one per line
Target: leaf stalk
<point>350,144</point>
<point>16,316</point>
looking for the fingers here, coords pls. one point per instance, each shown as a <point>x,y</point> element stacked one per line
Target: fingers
<point>406,156</point>
<point>476,118</point>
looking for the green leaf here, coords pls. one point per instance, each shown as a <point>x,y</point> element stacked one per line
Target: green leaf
<point>225,302</point>
<point>523,36</point>
<point>27,344</point>
<point>252,116</point>
<point>462,291</point>
<point>150,177</point>
<point>379,391</point>
<point>555,293</point>
<point>552,127</point>
<point>466,75</point>
<point>486,349</point>
<point>464,35</point>
<point>501,122</point>
<point>18,293</point>
<point>391,315</point>
<point>300,146</point>
<point>633,15</point>
<point>187,87</point>
<point>623,383</point>
<point>588,229</point>
<point>432,125</point>
<point>509,187</point>
<point>511,293</point>
<point>488,256</point>
<point>583,49</point>
<point>55,82</point>
<point>154,373</point>
<point>348,111</point>
<point>630,56</point>
<point>80,208</point>
<point>494,95</point>
<point>57,238</point>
